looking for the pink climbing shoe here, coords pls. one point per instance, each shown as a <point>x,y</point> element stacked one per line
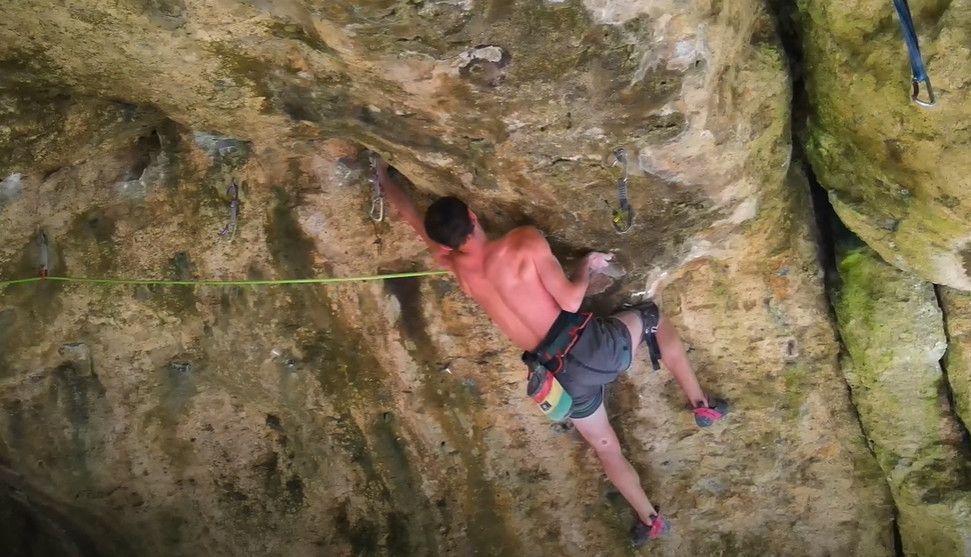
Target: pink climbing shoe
<point>707,415</point>
<point>642,533</point>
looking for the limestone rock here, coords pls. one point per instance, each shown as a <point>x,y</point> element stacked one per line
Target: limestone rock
<point>32,525</point>
<point>897,175</point>
<point>957,361</point>
<point>894,335</point>
<point>389,418</point>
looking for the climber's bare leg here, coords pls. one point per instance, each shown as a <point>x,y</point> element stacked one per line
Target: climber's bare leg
<point>673,354</point>
<point>632,320</point>
<point>596,430</point>
<point>675,360</point>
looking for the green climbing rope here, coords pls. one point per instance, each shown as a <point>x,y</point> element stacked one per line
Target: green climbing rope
<point>278,282</point>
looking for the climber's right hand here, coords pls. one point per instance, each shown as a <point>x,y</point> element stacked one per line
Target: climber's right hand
<point>597,261</point>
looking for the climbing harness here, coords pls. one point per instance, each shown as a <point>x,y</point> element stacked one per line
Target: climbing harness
<point>277,282</point>
<point>233,192</point>
<point>549,359</point>
<point>916,61</point>
<point>43,257</point>
<point>377,194</point>
<point>651,319</point>
<point>623,216</point>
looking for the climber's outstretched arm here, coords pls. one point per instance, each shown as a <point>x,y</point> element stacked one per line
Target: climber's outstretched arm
<point>406,209</point>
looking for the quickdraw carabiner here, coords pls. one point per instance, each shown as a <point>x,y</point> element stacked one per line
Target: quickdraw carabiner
<point>915,96</point>
<point>917,69</point>
<point>622,218</point>
<point>43,255</point>
<point>377,194</point>
<point>377,208</point>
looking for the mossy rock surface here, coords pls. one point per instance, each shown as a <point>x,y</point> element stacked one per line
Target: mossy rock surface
<point>894,335</point>
<point>898,175</point>
<point>956,306</point>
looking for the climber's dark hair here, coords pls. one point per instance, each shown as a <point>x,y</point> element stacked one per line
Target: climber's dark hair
<point>447,222</point>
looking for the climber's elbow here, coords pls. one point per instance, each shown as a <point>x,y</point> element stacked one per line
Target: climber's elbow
<point>572,299</point>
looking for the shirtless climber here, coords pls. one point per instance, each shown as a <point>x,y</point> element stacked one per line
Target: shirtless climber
<point>519,283</point>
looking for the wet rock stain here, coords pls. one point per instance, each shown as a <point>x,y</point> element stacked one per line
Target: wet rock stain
<point>79,397</point>
<point>353,381</point>
<point>452,405</point>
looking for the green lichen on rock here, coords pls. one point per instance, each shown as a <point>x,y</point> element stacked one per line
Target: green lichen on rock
<point>40,130</point>
<point>897,174</point>
<point>893,331</point>
<point>957,361</point>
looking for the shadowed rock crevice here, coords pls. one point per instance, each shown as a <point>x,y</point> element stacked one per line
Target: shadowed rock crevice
<point>31,527</point>
<point>953,306</point>
<point>887,187</point>
<point>800,28</point>
<point>829,232</point>
<point>891,325</point>
<point>834,238</point>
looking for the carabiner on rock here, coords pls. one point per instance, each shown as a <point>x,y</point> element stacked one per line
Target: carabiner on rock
<point>622,217</point>
<point>915,96</point>
<point>377,208</point>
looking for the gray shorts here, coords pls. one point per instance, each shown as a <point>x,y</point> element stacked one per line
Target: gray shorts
<point>602,352</point>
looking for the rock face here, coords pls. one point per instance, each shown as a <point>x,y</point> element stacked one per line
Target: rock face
<point>897,175</point>
<point>32,525</point>
<point>390,418</point>
<point>894,334</point>
<point>957,360</point>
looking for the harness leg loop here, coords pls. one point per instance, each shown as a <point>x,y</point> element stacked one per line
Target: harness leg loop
<point>650,319</point>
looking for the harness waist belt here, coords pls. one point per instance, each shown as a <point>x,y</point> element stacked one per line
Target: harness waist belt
<point>560,339</point>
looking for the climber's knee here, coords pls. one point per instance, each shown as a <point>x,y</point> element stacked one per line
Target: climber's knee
<point>598,433</point>
<point>606,446</point>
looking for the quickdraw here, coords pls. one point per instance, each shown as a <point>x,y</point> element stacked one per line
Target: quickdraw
<point>43,256</point>
<point>233,192</point>
<point>916,61</point>
<point>377,194</point>
<point>622,217</point>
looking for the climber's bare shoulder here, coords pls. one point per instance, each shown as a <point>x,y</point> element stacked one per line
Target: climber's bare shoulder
<point>505,259</point>
<point>522,241</point>
<point>504,281</point>
<point>512,270</point>
<point>511,255</point>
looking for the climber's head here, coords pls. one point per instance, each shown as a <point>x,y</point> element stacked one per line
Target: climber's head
<point>450,222</point>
